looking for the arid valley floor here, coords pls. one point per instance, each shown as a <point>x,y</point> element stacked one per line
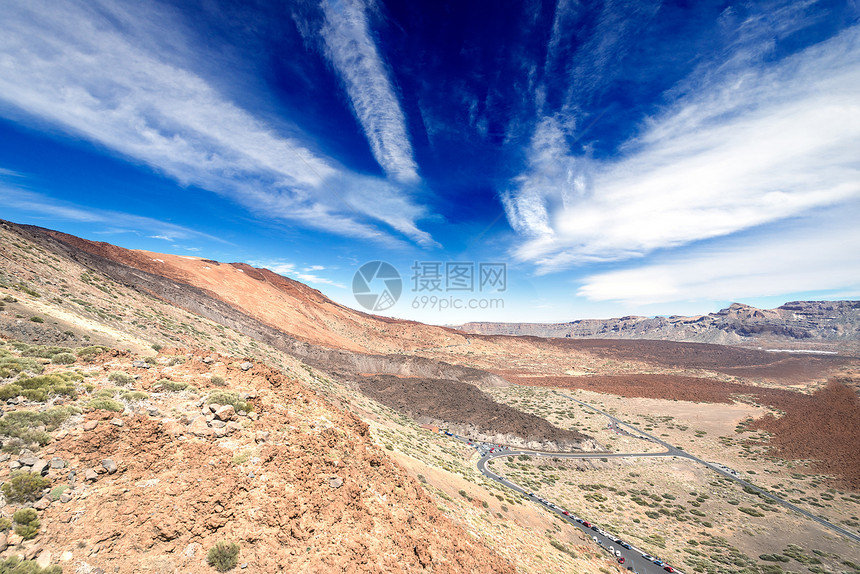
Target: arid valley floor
<point>154,405</point>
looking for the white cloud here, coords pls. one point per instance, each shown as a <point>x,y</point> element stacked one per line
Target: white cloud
<point>291,270</point>
<point>99,71</point>
<point>816,254</point>
<point>747,149</point>
<point>116,222</point>
<point>352,51</point>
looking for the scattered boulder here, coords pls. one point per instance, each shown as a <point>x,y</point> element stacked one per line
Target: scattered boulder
<point>246,366</point>
<point>117,422</point>
<point>13,539</point>
<point>199,427</point>
<point>208,360</point>
<point>140,365</point>
<point>261,436</point>
<point>41,467</point>
<point>3,543</point>
<point>225,413</point>
<point>57,463</point>
<point>66,556</point>
<point>90,425</point>
<point>90,475</point>
<point>42,504</point>
<point>44,559</point>
<point>335,482</point>
<point>109,465</point>
<point>14,465</point>
<point>28,460</point>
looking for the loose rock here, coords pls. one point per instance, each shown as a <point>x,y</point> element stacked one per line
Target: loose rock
<point>225,413</point>
<point>90,425</point>
<point>141,365</point>
<point>246,366</point>
<point>109,465</point>
<point>90,475</point>
<point>58,463</point>
<point>335,482</point>
<point>42,504</point>
<point>117,422</point>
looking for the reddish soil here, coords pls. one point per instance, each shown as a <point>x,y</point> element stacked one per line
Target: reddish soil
<point>461,404</point>
<point>643,385</point>
<point>823,427</point>
<point>171,500</point>
<point>738,361</point>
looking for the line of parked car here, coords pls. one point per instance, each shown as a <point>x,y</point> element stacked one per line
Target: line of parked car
<point>612,550</point>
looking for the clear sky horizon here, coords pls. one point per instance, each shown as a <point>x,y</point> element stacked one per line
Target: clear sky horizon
<point>523,161</point>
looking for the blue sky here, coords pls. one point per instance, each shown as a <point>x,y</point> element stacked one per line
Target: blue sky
<point>618,157</point>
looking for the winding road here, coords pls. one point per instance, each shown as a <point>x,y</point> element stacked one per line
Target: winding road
<point>633,556</point>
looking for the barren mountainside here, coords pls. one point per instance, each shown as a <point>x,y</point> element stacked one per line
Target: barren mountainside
<point>797,321</point>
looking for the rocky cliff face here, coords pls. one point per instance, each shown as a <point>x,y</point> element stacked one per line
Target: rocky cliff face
<point>808,321</point>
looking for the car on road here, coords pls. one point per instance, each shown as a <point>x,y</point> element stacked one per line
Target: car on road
<point>668,568</point>
<point>595,528</point>
<point>648,557</point>
<point>565,512</point>
<point>586,523</point>
<point>624,545</point>
<point>621,559</point>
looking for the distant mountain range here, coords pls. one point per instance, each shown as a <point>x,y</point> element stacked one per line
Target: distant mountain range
<point>797,321</point>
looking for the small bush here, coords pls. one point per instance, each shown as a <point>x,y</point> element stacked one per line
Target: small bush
<point>22,424</point>
<point>91,351</point>
<point>5,524</point>
<point>228,398</point>
<point>37,319</point>
<point>218,380</point>
<point>121,378</point>
<point>223,556</point>
<point>172,386</point>
<point>43,352</point>
<point>63,359</point>
<point>134,396</point>
<point>156,347</point>
<point>23,487</point>
<point>58,491</point>
<point>106,405</point>
<point>15,565</point>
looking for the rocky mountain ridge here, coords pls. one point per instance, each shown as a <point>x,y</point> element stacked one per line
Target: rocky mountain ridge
<point>796,321</point>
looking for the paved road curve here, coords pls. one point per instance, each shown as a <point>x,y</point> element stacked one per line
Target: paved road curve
<point>633,557</point>
<point>673,451</point>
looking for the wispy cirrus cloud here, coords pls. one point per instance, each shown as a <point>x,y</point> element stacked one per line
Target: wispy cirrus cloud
<point>817,253</point>
<point>352,50</point>
<point>114,222</point>
<point>750,146</point>
<point>116,77</point>
<point>307,274</point>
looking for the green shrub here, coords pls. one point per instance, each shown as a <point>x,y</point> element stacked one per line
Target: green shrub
<point>751,511</point>
<point>26,523</point>
<point>223,556</point>
<point>172,386</point>
<point>156,347</point>
<point>228,398</point>
<point>15,565</point>
<point>37,319</point>
<point>134,396</point>
<point>43,352</point>
<point>106,405</point>
<point>40,387</point>
<point>218,380</point>
<point>13,365</point>
<point>63,359</point>
<point>91,351</point>
<point>58,491</point>
<point>120,378</point>
<point>5,524</point>
<point>22,424</point>
<point>23,487</point>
